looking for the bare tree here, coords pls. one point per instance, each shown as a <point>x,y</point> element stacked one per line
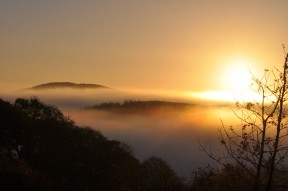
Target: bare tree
<point>259,143</point>
<point>279,151</point>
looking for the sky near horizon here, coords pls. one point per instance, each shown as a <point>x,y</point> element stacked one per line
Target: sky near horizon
<point>149,44</point>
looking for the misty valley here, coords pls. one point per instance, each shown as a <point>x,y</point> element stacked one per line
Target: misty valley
<point>80,137</point>
<point>168,129</point>
<point>151,95</point>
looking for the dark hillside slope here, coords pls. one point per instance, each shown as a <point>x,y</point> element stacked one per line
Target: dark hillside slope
<point>41,149</point>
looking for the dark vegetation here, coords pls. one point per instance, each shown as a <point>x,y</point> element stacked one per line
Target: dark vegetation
<point>134,106</point>
<point>41,149</point>
<point>55,85</point>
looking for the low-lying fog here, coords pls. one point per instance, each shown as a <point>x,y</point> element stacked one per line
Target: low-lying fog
<point>170,133</point>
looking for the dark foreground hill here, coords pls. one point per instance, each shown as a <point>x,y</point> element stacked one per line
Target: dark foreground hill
<point>70,85</point>
<point>41,149</point>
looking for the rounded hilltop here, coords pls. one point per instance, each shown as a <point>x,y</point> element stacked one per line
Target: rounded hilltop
<point>70,85</point>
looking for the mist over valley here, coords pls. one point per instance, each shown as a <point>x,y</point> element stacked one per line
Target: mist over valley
<point>153,125</point>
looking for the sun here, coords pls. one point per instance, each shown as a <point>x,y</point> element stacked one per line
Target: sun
<point>236,76</point>
<point>239,79</point>
<point>235,82</point>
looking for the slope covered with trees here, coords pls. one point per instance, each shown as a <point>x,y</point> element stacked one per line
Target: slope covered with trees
<point>142,107</point>
<point>41,149</point>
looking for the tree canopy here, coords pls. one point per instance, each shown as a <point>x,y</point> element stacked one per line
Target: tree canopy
<point>43,149</point>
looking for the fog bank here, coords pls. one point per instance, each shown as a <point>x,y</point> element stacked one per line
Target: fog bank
<point>170,133</point>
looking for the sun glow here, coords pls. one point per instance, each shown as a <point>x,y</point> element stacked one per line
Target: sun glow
<point>236,76</point>
<point>235,80</point>
<point>239,79</point>
<point>226,96</point>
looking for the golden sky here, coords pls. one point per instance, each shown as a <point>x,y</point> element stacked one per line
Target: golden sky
<point>180,45</point>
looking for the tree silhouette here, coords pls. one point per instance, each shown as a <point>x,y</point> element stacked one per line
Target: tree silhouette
<point>224,179</point>
<point>259,143</point>
<point>41,149</point>
<point>159,176</point>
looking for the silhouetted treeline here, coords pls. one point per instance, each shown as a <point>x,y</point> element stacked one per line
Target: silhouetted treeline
<point>41,149</point>
<point>132,106</point>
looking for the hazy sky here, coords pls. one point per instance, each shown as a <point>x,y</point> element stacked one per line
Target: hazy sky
<point>148,44</point>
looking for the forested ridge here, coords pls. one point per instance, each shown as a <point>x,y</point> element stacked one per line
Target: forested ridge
<point>41,149</point>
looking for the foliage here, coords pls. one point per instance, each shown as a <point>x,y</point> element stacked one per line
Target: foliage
<point>158,176</point>
<point>141,107</point>
<point>224,179</point>
<point>40,148</point>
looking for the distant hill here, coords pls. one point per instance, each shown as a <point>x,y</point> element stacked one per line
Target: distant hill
<point>140,107</point>
<point>61,85</point>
